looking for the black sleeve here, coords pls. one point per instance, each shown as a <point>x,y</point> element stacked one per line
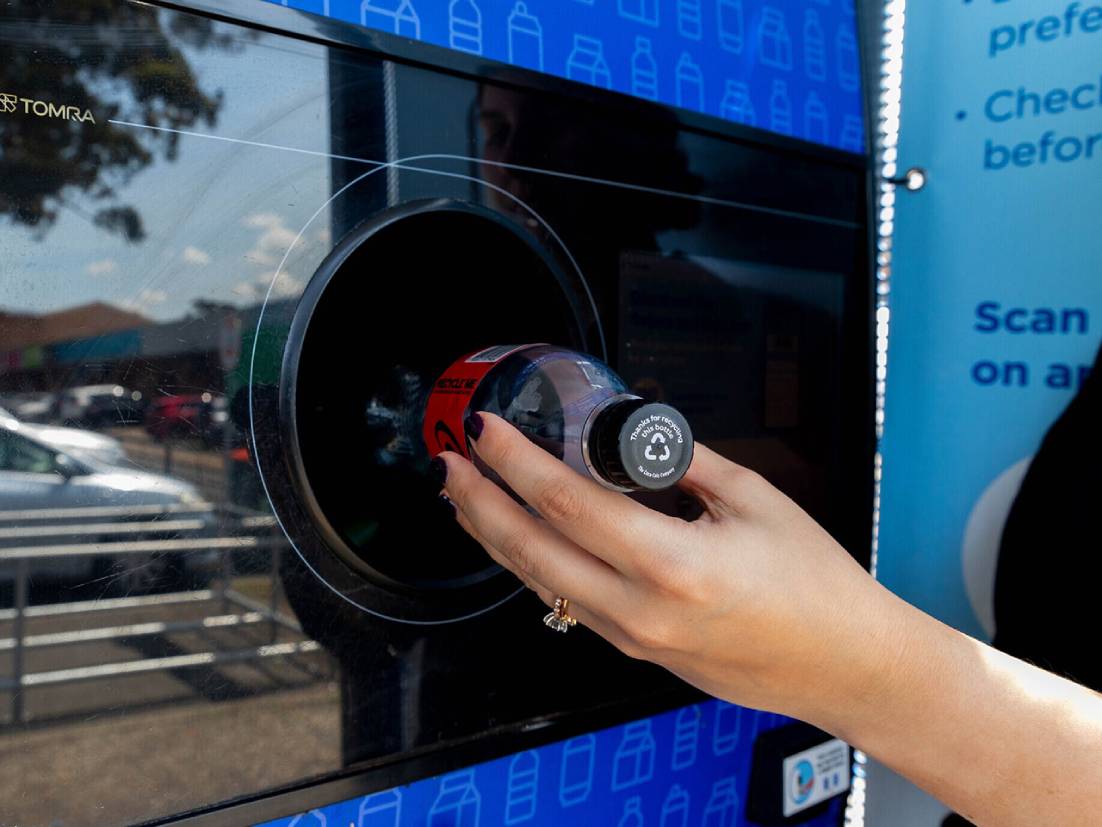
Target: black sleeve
<point>1046,584</point>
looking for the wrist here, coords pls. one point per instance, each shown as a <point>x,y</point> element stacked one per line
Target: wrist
<point>863,664</point>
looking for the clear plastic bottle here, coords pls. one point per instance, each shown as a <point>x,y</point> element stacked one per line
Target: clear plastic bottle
<point>571,405</point>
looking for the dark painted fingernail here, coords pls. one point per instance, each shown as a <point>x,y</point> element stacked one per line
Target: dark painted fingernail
<point>446,505</point>
<point>473,426</point>
<point>438,470</point>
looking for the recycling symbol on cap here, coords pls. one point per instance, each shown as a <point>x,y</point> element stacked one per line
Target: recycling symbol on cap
<point>650,454</point>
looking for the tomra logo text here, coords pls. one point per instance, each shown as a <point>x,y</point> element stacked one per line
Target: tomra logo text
<point>44,109</point>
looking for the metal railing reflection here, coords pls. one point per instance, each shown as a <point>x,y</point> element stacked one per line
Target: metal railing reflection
<point>43,536</point>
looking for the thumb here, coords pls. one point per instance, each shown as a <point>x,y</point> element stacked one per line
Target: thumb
<point>723,487</point>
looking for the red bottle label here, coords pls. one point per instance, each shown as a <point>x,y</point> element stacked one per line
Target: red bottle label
<point>450,396</point>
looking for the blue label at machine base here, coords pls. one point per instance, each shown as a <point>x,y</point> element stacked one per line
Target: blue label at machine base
<point>686,768</point>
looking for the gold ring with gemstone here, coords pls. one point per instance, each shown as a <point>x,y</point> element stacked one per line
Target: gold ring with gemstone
<point>559,617</point>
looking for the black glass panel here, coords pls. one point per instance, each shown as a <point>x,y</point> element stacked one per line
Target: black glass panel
<point>231,260</point>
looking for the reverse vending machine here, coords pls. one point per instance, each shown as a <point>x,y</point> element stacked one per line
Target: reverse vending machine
<point>240,242</point>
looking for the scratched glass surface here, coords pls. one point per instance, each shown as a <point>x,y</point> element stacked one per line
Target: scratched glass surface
<point>168,187</point>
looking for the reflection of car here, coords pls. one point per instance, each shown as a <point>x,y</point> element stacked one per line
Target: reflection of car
<point>35,476</point>
<point>199,415</point>
<point>31,407</point>
<point>100,406</point>
<point>76,441</point>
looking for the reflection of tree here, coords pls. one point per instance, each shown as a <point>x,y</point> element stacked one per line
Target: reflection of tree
<point>119,60</point>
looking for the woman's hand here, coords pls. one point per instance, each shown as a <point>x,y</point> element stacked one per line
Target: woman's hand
<point>741,603</point>
<point>753,602</point>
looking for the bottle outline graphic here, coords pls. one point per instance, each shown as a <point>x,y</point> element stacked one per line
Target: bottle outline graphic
<point>525,37</point>
<point>522,787</point>
<point>723,805</point>
<point>633,813</point>
<point>816,119</point>
<point>575,752</point>
<point>736,104</point>
<point>400,18</point>
<point>644,71</point>
<point>845,50</point>
<point>729,25</point>
<point>675,809</point>
<point>458,803</point>
<point>586,62</point>
<point>376,809</point>
<point>686,733</point>
<point>633,762</point>
<point>852,137</point>
<point>780,109</point>
<point>639,11</point>
<point>725,728</point>
<point>688,76</point>
<point>814,46</point>
<point>774,44</point>
<point>689,19</point>
<point>465,26</point>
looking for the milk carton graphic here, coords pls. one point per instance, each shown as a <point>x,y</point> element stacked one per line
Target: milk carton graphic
<point>641,11</point>
<point>774,43</point>
<point>633,813</point>
<point>381,810</point>
<point>634,760</point>
<point>525,38</point>
<point>458,804</point>
<point>644,71</point>
<point>722,807</point>
<point>689,82</point>
<point>314,818</point>
<point>576,771</point>
<point>587,62</point>
<point>395,16</point>
<point>465,26</point>
<point>675,809</point>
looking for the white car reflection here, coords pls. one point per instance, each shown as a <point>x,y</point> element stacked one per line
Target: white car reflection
<point>37,479</point>
<point>76,441</point>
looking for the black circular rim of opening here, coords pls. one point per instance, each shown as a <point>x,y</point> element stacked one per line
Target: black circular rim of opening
<point>326,551</point>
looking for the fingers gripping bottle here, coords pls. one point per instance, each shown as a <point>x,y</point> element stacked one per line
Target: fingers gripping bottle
<point>571,405</point>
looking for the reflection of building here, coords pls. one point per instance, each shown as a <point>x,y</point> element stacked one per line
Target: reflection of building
<point>19,331</point>
<point>100,343</point>
<point>30,344</point>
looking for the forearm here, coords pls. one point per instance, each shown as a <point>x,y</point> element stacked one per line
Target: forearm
<point>999,740</point>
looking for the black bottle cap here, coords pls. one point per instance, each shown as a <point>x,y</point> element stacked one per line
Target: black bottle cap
<point>641,446</point>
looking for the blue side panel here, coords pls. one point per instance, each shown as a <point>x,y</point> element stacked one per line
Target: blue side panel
<point>685,768</point>
<point>787,66</point>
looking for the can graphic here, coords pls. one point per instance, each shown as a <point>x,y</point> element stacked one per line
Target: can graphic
<point>525,38</point>
<point>576,772</point>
